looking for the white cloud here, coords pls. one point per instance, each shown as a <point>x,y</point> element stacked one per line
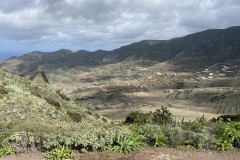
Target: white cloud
<point>110,23</point>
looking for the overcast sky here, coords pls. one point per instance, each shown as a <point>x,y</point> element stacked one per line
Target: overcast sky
<point>48,25</point>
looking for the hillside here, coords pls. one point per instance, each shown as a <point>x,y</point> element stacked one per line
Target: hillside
<point>196,50</point>
<point>35,118</point>
<point>21,99</point>
<point>146,75</point>
<point>193,51</point>
<point>47,124</point>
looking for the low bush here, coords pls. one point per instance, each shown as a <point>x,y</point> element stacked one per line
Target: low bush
<point>152,135</point>
<point>128,143</point>
<point>3,90</point>
<point>81,136</point>
<point>196,126</point>
<point>162,116</point>
<point>76,117</point>
<point>35,91</point>
<point>53,102</point>
<point>196,139</point>
<point>61,152</point>
<point>6,149</point>
<point>174,136</point>
<point>63,96</point>
<point>138,118</point>
<point>228,136</point>
<point>228,118</point>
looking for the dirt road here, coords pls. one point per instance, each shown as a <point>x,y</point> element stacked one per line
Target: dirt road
<point>148,154</point>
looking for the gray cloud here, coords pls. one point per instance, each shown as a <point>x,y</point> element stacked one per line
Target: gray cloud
<point>110,23</point>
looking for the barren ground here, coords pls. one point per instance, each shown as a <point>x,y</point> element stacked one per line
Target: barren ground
<point>146,154</point>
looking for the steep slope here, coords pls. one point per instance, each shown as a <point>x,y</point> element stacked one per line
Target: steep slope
<point>22,99</point>
<point>34,118</point>
<point>194,50</point>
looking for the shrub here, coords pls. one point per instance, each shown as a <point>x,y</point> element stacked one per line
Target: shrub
<point>6,149</point>
<point>173,136</point>
<point>162,116</point>
<point>138,118</point>
<point>228,136</point>
<point>86,137</point>
<point>6,129</point>
<point>196,139</point>
<point>2,90</point>
<point>35,92</point>
<point>128,143</point>
<point>61,152</point>
<point>152,135</point>
<point>76,117</point>
<point>104,119</point>
<point>229,117</point>
<point>179,85</point>
<point>63,96</point>
<point>53,102</point>
<point>196,126</point>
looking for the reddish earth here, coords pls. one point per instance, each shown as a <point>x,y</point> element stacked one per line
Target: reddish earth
<point>147,154</point>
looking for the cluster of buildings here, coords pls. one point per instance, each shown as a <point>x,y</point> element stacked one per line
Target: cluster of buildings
<point>220,71</point>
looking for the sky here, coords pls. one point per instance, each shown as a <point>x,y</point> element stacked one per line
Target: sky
<point>50,25</point>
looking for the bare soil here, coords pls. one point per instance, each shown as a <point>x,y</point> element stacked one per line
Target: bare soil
<point>146,154</point>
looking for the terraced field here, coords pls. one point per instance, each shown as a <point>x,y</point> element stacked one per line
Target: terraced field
<point>117,89</point>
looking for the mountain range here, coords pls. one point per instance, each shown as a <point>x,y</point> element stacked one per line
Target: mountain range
<point>193,51</point>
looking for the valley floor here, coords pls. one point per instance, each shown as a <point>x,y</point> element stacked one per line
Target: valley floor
<point>147,154</point>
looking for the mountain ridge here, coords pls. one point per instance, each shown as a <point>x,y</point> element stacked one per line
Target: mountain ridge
<point>195,50</point>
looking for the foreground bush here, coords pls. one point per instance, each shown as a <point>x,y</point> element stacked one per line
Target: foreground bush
<point>6,149</point>
<point>61,152</point>
<point>161,116</point>
<point>84,136</point>
<point>123,138</point>
<point>128,143</point>
<point>228,136</point>
<point>152,135</point>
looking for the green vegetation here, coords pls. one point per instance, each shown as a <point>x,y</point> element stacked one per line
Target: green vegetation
<point>198,134</point>
<point>138,118</point>
<point>61,152</point>
<point>63,96</point>
<point>2,90</point>
<point>228,118</point>
<point>76,117</point>
<point>53,102</point>
<point>228,136</point>
<point>6,149</point>
<point>160,116</point>
<point>128,143</point>
<point>200,49</point>
<point>34,116</point>
<point>152,134</point>
<point>106,82</point>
